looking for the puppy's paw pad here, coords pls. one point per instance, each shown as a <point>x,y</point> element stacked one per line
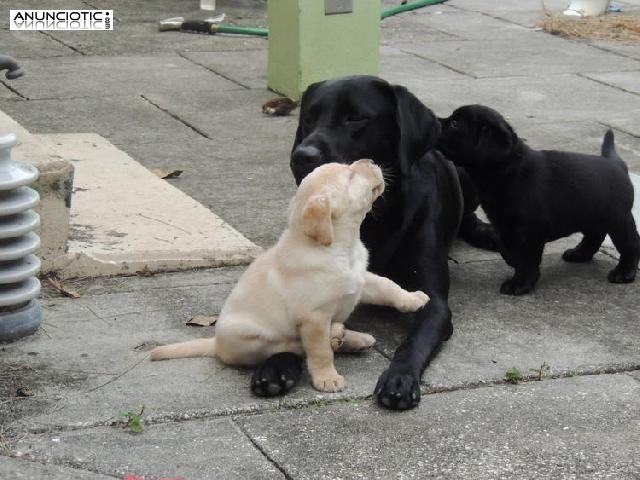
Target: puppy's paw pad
<point>277,375</point>
<point>414,301</point>
<point>329,383</point>
<point>397,391</point>
<point>618,276</point>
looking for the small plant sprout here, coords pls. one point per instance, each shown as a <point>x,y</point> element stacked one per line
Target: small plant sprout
<point>541,371</point>
<point>132,420</point>
<point>513,375</point>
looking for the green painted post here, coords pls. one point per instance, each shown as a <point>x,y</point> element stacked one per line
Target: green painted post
<point>307,45</point>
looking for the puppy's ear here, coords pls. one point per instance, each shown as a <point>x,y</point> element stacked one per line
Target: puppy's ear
<point>316,220</point>
<point>418,127</point>
<point>496,139</point>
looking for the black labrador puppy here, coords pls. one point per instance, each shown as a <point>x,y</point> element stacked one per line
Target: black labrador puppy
<point>533,197</point>
<point>413,223</point>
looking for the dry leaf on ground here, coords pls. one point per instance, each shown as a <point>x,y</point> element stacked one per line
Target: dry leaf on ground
<point>202,320</point>
<point>57,284</point>
<point>162,173</point>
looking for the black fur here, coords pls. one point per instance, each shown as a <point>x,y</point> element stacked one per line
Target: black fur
<point>533,197</point>
<point>412,225</point>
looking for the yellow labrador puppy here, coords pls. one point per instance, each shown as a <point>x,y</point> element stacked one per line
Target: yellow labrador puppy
<point>296,296</point>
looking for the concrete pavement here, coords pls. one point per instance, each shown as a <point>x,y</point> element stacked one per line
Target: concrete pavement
<point>192,102</point>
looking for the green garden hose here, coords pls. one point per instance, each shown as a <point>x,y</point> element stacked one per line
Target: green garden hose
<point>264,32</point>
<point>408,6</point>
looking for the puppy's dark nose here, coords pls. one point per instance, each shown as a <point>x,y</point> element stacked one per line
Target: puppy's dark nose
<point>306,157</point>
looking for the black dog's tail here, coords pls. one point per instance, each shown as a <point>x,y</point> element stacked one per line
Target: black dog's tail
<point>608,149</point>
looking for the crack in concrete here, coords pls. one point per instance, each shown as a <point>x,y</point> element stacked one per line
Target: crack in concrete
<point>119,375</point>
<point>177,117</point>
<point>262,451</point>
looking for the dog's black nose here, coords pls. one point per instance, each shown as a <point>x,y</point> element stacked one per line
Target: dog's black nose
<point>307,157</point>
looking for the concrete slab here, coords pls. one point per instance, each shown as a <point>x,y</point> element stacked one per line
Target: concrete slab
<point>24,44</point>
<point>584,137</point>
<point>232,114</point>
<point>467,25</point>
<point>125,219</point>
<point>400,67</point>
<point>206,450</point>
<point>627,50</point>
<point>22,469</point>
<point>120,119</point>
<point>145,38</point>
<point>578,427</point>
<point>248,69</point>
<point>627,81</point>
<point>105,364</point>
<point>591,332</point>
<point>560,98</point>
<point>97,77</point>
<point>534,54</point>
<point>236,10</point>
<point>404,30</point>
<point>247,182</point>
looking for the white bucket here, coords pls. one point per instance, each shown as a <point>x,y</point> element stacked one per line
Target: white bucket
<point>587,8</point>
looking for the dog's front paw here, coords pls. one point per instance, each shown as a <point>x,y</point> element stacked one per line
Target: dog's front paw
<point>619,275</point>
<point>413,301</point>
<point>511,287</point>
<point>328,382</point>
<point>397,390</point>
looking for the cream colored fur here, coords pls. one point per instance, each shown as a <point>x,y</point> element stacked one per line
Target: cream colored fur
<point>296,296</point>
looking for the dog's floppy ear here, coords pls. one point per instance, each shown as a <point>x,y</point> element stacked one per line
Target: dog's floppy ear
<point>419,128</point>
<point>496,139</point>
<point>316,220</point>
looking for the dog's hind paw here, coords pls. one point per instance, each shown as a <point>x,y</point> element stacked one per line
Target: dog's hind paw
<point>618,276</point>
<point>277,375</point>
<point>397,391</point>
<point>576,255</point>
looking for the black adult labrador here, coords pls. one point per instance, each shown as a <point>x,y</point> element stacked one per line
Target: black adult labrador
<point>414,222</point>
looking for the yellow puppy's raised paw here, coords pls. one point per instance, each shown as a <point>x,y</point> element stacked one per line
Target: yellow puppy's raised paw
<point>413,301</point>
<point>329,383</point>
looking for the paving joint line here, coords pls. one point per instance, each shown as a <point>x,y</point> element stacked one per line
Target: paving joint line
<point>631,134</point>
<point>264,453</point>
<point>283,405</point>
<point>177,117</point>
<point>61,463</point>
<point>13,90</point>
<point>71,47</point>
<point>586,77</point>
<point>444,65</point>
<point>229,79</point>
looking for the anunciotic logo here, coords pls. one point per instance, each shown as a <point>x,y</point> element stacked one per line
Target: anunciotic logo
<point>61,19</point>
